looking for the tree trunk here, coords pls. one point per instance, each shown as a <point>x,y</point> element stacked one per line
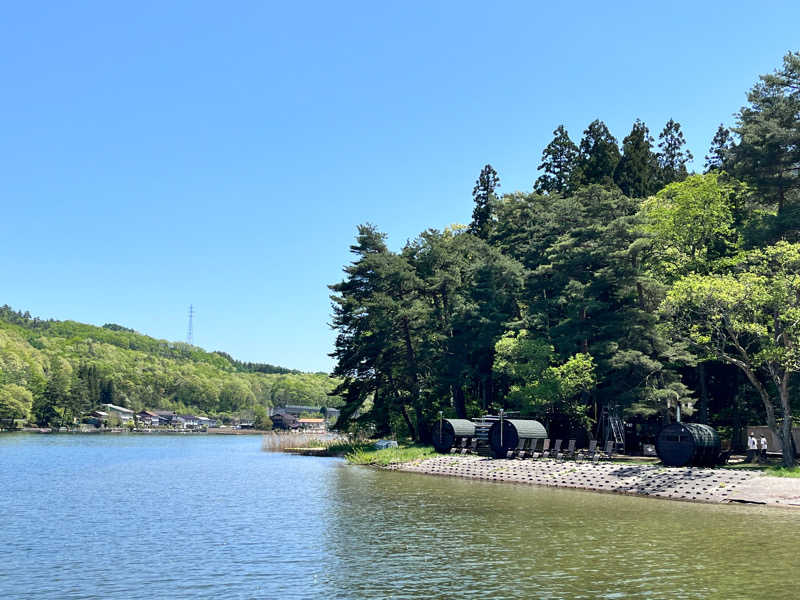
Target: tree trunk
<point>701,373</point>
<point>459,401</point>
<point>787,444</point>
<point>411,430</point>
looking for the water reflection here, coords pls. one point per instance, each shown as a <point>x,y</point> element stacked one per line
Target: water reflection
<point>418,536</point>
<point>197,517</point>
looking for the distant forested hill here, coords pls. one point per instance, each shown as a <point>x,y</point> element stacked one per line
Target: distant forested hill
<point>48,366</point>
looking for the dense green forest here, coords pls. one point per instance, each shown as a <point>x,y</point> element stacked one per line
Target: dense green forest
<point>621,280</point>
<point>54,371</point>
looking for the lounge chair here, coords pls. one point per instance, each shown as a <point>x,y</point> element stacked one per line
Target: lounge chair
<point>545,449</point>
<point>515,451</point>
<point>606,453</point>
<point>532,450</point>
<point>609,450</point>
<point>458,446</point>
<point>590,452</point>
<point>556,450</point>
<point>525,450</point>
<point>570,451</point>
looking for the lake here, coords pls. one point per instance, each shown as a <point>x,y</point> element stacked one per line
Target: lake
<point>196,516</point>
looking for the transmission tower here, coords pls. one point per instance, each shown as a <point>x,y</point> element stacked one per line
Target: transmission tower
<point>190,329</point>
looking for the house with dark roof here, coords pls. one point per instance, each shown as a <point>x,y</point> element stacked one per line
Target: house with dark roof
<point>284,420</point>
<point>165,417</point>
<point>148,418</point>
<point>187,421</point>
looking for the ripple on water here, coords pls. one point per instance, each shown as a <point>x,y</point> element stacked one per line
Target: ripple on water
<point>197,517</point>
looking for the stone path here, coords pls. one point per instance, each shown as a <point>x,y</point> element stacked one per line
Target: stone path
<point>693,484</point>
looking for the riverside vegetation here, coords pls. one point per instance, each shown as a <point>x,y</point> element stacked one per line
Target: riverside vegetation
<point>621,280</point>
<point>52,372</point>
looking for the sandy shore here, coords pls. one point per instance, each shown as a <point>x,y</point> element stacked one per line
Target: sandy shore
<point>689,484</point>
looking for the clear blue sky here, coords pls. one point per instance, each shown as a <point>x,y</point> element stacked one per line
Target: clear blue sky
<point>158,154</point>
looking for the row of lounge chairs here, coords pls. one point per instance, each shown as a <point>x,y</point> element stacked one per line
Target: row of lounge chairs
<point>468,445</point>
<point>530,449</point>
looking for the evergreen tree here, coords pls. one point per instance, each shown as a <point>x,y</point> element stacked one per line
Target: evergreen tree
<point>378,314</point>
<point>719,150</point>
<point>54,396</point>
<point>78,399</point>
<point>559,159</point>
<point>598,155</point>
<point>672,156</point>
<point>107,395</point>
<point>483,193</point>
<point>635,173</point>
<point>768,154</point>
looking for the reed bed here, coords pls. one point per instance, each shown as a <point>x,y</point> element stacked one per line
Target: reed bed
<point>275,441</point>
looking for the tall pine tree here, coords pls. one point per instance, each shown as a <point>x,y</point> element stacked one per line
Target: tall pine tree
<point>672,155</point>
<point>768,155</point>
<point>559,159</point>
<point>599,154</point>
<point>720,148</point>
<point>636,171</point>
<point>483,193</point>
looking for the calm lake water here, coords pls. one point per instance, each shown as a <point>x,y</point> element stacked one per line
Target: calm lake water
<point>131,516</point>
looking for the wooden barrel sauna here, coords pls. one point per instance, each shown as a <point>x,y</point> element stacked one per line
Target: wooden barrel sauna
<point>513,430</point>
<point>688,444</point>
<point>450,431</point>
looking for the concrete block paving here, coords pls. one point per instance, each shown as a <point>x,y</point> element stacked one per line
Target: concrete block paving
<point>690,483</point>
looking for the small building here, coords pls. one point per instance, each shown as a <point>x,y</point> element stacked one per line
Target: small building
<point>312,424</point>
<point>187,421</point>
<point>282,420</point>
<point>124,414</point>
<point>165,417</point>
<point>96,418</point>
<point>207,422</point>
<point>148,418</point>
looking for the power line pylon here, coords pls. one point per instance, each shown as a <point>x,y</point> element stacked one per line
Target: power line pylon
<point>190,330</point>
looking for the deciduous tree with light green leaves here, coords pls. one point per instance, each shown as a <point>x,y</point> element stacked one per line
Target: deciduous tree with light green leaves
<point>15,402</point>
<point>538,385</point>
<point>749,318</point>
<point>691,224</point>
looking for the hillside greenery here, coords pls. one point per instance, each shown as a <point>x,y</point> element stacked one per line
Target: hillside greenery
<point>622,281</point>
<point>52,372</point>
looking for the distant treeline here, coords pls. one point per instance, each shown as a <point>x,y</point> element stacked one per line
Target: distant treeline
<point>53,372</point>
<point>622,281</point>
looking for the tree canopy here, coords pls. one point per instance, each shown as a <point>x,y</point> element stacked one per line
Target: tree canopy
<point>622,281</point>
<point>53,372</point>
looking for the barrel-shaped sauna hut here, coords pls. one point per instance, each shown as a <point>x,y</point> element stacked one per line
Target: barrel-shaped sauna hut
<point>505,435</point>
<point>447,432</point>
<point>688,444</point>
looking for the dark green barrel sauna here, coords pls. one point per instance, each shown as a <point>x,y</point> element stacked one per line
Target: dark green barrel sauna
<point>688,444</point>
<point>505,435</point>
<point>447,432</point>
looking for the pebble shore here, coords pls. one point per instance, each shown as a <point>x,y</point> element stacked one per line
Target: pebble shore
<point>688,484</point>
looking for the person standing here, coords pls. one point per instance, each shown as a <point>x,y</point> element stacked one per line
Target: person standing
<point>763,441</point>
<point>752,448</point>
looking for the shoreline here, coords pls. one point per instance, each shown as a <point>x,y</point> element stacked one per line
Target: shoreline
<point>125,431</point>
<point>688,484</point>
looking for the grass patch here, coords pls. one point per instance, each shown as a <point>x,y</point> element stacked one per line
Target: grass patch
<point>781,471</point>
<point>745,467</point>
<point>388,456</point>
<point>345,448</point>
